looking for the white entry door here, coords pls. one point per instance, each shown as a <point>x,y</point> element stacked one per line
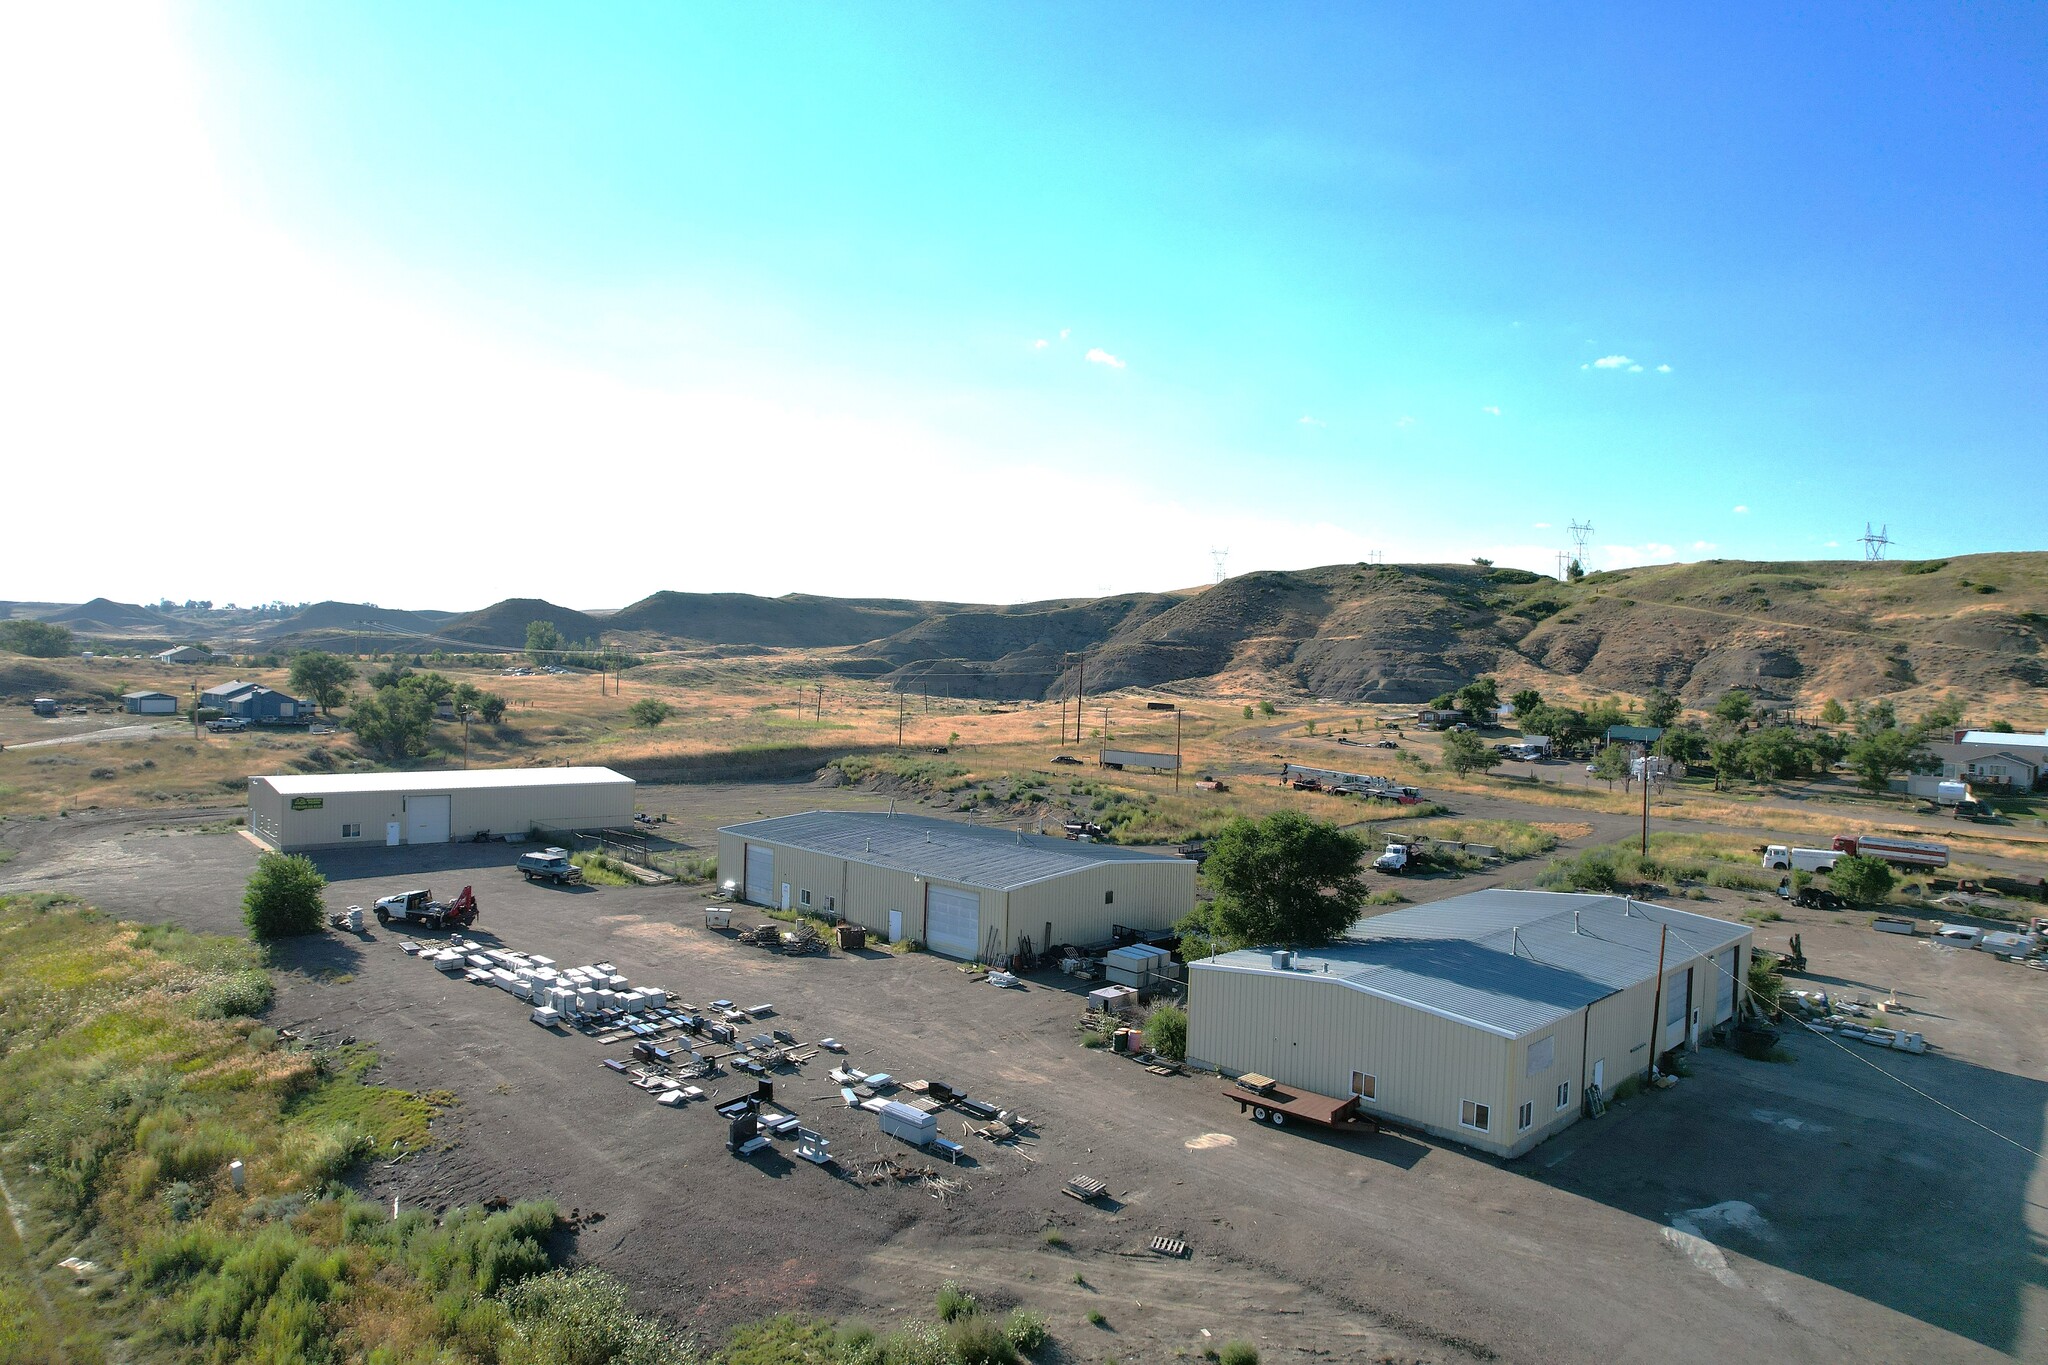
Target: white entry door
<point>785,895</point>
<point>391,834</point>
<point>760,884</point>
<point>895,926</point>
<point>427,819</point>
<point>952,921</point>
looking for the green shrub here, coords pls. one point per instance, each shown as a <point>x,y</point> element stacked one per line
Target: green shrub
<point>244,995</point>
<point>954,1302</point>
<point>1053,1237</point>
<point>579,1317</point>
<point>1861,880</point>
<point>1166,1032</point>
<point>1238,1352</point>
<point>284,897</point>
<point>1026,1330</point>
<point>1095,1318</point>
<point>974,1340</point>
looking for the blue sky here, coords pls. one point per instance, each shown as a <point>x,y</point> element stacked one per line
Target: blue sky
<point>760,297</point>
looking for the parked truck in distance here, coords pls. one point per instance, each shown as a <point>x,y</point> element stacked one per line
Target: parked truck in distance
<point>1779,858</point>
<point>420,907</point>
<point>550,865</point>
<point>1396,859</point>
<point>1897,852</point>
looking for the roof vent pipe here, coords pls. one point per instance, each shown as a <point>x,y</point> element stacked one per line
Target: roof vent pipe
<point>1575,923</point>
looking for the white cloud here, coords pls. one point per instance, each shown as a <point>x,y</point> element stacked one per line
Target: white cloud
<point>1741,509</point>
<point>1040,344</point>
<point>1663,369</point>
<point>1635,369</point>
<point>1098,356</point>
<point>1492,409</point>
<point>1705,545</point>
<point>1308,421</point>
<point>1832,545</point>
<point>1612,362</point>
<point>1634,556</point>
<point>1404,422</point>
<point>1543,526</point>
<point>1066,332</point>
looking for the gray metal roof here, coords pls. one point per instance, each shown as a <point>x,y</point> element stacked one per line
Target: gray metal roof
<point>947,850</point>
<point>480,779</point>
<point>1510,962</point>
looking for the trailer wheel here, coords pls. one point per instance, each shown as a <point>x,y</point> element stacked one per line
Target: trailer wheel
<point>1279,1119</point>
<point>1258,1113</point>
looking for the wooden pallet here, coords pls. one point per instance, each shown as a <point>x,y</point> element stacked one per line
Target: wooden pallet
<point>1085,1188</point>
<point>1169,1246</point>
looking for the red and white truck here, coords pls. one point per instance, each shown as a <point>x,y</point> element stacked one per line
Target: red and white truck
<point>1898,852</point>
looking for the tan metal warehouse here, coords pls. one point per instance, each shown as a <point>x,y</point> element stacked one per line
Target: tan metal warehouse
<point>342,810</point>
<point>965,891</point>
<point>1484,1018</point>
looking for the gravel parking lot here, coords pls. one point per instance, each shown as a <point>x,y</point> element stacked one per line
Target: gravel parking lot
<point>1803,1211</point>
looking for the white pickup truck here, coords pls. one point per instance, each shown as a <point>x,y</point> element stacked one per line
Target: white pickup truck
<point>1396,859</point>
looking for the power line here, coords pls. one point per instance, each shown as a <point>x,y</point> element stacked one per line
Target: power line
<point>1874,542</point>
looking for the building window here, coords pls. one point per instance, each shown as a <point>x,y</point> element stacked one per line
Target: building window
<point>1365,1086</point>
<point>1564,1095</point>
<point>1525,1116</point>
<point>351,831</point>
<point>804,897</point>
<point>1475,1115</point>
<point>1109,898</point>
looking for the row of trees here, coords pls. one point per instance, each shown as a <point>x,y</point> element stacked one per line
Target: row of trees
<point>36,639</point>
<point>396,721</point>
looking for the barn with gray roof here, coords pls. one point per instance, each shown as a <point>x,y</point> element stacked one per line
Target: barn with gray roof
<point>1485,1018</point>
<point>966,891</point>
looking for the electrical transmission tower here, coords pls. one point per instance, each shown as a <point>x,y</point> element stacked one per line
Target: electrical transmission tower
<point>1564,559</point>
<point>1373,557</point>
<point>1582,534</point>
<point>1874,542</point>
<point>1219,556</point>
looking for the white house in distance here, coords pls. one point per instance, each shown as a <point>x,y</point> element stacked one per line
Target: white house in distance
<point>150,703</point>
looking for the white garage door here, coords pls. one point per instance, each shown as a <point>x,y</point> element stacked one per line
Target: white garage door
<point>428,818</point>
<point>760,887</point>
<point>1724,997</point>
<point>952,922</point>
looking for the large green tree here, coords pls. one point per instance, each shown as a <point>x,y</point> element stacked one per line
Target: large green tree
<point>1465,752</point>
<point>1525,701</point>
<point>650,711</point>
<point>37,639</point>
<point>395,723</point>
<point>322,676</point>
<point>284,896</point>
<point>1480,699</point>
<point>1734,707</point>
<point>1611,764</point>
<point>1283,879</point>
<point>542,639</point>
<point>1876,756</point>
<point>1660,708</point>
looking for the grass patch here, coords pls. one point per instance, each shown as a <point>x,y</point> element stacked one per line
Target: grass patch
<point>601,869</point>
<point>1514,838</point>
<point>127,1091</point>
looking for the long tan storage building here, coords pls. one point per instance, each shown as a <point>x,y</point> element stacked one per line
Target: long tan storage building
<point>1485,1018</point>
<point>965,891</point>
<point>343,810</point>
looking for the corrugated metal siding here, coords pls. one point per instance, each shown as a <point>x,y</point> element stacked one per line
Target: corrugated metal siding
<point>512,810</point>
<point>1151,897</point>
<point>1314,1033</point>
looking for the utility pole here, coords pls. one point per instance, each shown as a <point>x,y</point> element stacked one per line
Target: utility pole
<point>1176,746</point>
<point>465,738</point>
<point>1080,695</point>
<point>1657,1000</point>
<point>1646,802</point>
<point>899,715</point>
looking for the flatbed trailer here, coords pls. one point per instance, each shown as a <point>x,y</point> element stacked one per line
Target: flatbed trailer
<point>1271,1102</point>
